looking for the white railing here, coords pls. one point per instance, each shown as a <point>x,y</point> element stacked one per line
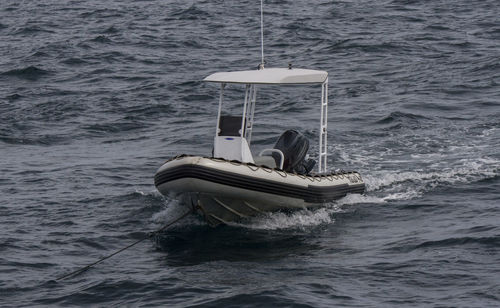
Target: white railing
<point>282,156</point>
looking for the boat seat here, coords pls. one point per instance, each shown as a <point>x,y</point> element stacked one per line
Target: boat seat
<point>230,126</point>
<point>294,147</point>
<point>232,148</point>
<point>228,143</point>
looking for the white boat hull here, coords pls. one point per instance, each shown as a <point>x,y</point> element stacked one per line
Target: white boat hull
<point>225,191</point>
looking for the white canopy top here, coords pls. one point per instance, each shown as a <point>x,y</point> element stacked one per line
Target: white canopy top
<point>270,76</point>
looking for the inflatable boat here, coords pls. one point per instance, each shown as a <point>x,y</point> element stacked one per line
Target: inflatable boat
<point>233,183</point>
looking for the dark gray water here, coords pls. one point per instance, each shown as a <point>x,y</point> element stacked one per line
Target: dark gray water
<point>95,95</point>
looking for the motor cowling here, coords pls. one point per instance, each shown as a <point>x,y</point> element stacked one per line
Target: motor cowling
<point>294,146</point>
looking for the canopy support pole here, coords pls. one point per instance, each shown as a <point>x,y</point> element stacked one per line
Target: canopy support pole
<point>323,128</point>
<point>243,118</point>
<point>221,98</point>
<point>250,112</point>
<point>262,34</point>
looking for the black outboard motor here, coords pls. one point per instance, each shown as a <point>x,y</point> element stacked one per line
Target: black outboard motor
<point>294,146</point>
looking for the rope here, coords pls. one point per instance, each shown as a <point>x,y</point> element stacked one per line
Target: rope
<point>149,235</point>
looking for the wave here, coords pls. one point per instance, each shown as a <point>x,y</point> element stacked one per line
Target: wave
<point>43,140</point>
<point>31,73</point>
<point>398,116</point>
<point>74,61</point>
<point>31,30</point>
<point>191,13</point>
<point>488,241</point>
<point>101,39</point>
<point>120,127</point>
<point>14,97</point>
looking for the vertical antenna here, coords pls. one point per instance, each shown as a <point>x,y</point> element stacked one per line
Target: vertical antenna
<point>262,33</point>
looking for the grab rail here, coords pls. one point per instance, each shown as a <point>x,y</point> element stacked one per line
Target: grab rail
<point>275,151</point>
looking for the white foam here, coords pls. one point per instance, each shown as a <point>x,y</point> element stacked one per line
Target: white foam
<point>488,132</point>
<point>311,217</point>
<point>173,209</point>
<point>357,199</point>
<point>412,184</point>
<point>150,193</point>
<point>166,213</point>
<point>299,219</point>
<point>406,195</point>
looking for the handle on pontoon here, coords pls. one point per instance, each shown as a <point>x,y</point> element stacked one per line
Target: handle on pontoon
<point>275,151</point>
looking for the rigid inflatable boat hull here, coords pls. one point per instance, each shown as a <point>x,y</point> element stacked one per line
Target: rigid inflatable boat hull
<point>226,191</point>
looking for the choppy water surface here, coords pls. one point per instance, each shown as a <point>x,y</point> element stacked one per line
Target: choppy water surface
<point>95,95</point>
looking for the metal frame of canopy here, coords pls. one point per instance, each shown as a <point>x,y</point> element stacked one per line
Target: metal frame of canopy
<point>274,76</point>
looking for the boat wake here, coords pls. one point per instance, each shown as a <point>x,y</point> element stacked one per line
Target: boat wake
<point>414,184</point>
<point>392,173</point>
